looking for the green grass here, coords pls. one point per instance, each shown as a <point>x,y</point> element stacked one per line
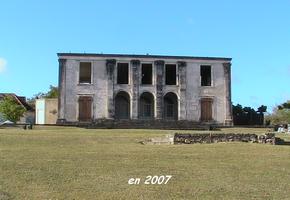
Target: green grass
<point>74,163</point>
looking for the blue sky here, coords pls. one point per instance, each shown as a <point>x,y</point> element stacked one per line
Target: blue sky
<point>256,34</point>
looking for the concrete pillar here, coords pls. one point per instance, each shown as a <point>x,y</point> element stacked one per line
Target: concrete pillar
<point>159,88</point>
<point>182,88</point>
<point>229,115</point>
<point>135,88</point>
<point>110,68</point>
<point>61,88</point>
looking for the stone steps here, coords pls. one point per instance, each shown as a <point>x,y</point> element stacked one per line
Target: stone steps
<point>149,124</point>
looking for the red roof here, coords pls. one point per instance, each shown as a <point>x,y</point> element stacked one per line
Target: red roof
<point>20,100</point>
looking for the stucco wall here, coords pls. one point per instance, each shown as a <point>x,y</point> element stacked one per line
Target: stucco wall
<point>46,111</point>
<point>51,111</point>
<point>40,111</point>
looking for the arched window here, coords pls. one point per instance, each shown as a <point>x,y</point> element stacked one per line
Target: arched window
<point>170,106</point>
<point>122,105</point>
<point>146,106</point>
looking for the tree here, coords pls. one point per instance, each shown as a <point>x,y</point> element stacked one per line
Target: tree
<point>238,109</point>
<point>52,93</point>
<point>248,116</point>
<point>10,109</point>
<point>262,109</point>
<point>249,110</point>
<point>285,105</point>
<point>281,114</point>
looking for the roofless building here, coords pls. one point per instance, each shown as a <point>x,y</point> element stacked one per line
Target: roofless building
<point>116,90</point>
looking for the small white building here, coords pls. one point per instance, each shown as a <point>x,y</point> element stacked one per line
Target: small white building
<point>46,111</point>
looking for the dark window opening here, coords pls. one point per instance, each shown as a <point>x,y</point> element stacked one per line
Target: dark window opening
<point>205,73</point>
<point>146,73</point>
<point>85,72</point>
<point>170,74</point>
<point>122,76</point>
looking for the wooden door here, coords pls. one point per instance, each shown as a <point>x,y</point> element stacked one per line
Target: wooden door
<point>85,108</point>
<point>206,109</point>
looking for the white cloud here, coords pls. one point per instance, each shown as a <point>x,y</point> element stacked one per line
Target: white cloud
<point>3,64</point>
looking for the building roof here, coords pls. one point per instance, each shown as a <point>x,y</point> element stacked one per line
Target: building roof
<point>20,100</point>
<point>143,56</point>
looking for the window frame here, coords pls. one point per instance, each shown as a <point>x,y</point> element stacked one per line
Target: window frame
<point>176,74</point>
<point>211,76</point>
<point>79,73</point>
<point>128,76</point>
<point>152,74</point>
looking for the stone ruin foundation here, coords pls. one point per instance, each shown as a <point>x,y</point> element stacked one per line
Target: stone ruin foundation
<point>168,139</point>
<point>269,138</point>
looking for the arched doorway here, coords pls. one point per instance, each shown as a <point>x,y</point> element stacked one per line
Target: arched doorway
<point>170,106</point>
<point>122,105</point>
<point>146,106</point>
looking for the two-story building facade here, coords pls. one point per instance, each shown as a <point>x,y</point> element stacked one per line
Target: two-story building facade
<point>147,88</point>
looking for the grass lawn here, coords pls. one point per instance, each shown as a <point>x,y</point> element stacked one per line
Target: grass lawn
<point>75,163</point>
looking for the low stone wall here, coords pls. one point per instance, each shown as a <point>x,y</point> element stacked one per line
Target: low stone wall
<point>268,138</point>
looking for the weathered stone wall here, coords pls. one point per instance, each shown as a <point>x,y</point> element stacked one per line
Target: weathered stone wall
<point>70,90</point>
<point>159,66</point>
<point>177,138</point>
<point>229,137</point>
<point>104,88</point>
<point>194,92</point>
<point>182,90</point>
<point>135,88</point>
<point>110,72</point>
<point>61,89</point>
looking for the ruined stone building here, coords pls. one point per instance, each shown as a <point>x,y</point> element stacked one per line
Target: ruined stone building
<point>144,90</point>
